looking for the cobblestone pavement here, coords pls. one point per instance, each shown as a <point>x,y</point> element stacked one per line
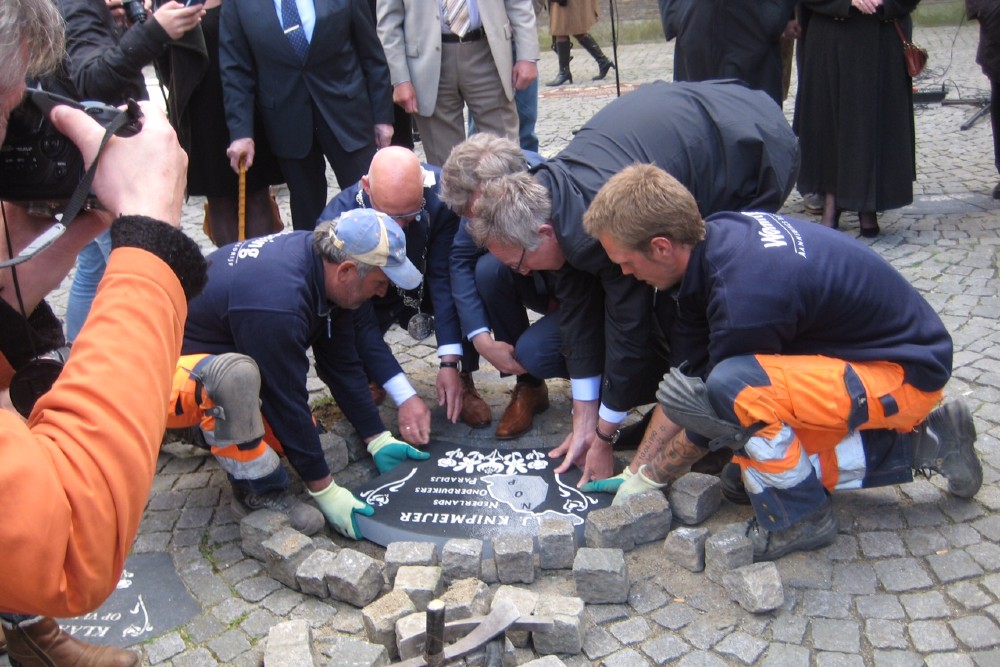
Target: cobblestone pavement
<point>913,576</point>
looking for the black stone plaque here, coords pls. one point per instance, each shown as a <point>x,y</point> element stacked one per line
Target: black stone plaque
<point>149,601</point>
<point>473,492</point>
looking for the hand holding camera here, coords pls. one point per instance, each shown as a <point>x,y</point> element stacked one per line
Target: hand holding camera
<point>153,152</point>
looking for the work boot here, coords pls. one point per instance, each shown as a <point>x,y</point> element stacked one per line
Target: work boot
<point>604,64</point>
<point>732,485</point>
<point>526,401</point>
<point>304,518</point>
<point>377,392</point>
<point>475,411</point>
<point>40,642</point>
<point>564,76</point>
<point>945,444</point>
<point>814,532</point>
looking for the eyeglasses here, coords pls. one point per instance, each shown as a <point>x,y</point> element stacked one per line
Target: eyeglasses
<point>415,216</point>
<point>517,267</point>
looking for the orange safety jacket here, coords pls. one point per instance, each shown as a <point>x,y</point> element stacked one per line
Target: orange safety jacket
<point>75,477</point>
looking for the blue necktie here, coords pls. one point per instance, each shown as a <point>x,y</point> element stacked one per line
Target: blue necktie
<point>293,28</point>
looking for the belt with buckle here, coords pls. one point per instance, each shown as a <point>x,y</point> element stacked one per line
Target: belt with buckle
<point>471,36</point>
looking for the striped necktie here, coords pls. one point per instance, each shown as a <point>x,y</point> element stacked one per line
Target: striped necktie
<point>456,16</point>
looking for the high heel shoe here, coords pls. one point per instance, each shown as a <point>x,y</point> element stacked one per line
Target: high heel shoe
<point>869,224</point>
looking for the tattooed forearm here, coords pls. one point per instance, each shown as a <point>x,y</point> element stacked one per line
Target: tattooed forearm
<point>674,458</point>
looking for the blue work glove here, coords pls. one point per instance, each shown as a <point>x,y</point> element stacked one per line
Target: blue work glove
<point>339,507</point>
<point>389,452</point>
<point>609,485</point>
<point>636,484</point>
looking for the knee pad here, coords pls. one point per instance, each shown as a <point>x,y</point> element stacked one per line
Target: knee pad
<point>232,381</point>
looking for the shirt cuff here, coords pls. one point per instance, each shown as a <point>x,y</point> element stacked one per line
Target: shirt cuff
<point>450,348</point>
<point>399,388</point>
<point>586,389</point>
<point>611,416</point>
<point>475,332</point>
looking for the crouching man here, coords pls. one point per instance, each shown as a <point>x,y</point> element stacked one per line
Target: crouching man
<point>822,365</point>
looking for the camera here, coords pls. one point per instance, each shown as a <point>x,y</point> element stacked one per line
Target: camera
<point>39,167</point>
<point>135,11</point>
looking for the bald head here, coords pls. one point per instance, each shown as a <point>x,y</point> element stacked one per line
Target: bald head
<point>395,181</point>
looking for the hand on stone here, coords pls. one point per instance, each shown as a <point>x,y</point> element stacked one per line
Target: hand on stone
<point>389,452</point>
<point>636,484</point>
<point>339,506</point>
<point>414,418</point>
<point>609,485</point>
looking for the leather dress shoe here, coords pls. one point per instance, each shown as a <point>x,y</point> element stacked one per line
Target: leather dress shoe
<point>378,393</point>
<point>526,401</point>
<point>475,411</point>
<point>40,642</point>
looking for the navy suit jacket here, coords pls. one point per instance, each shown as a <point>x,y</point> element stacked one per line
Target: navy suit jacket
<point>433,236</point>
<point>344,75</point>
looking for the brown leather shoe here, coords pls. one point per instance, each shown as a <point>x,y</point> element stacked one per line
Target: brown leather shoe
<point>378,393</point>
<point>40,642</point>
<point>525,402</point>
<point>475,412</point>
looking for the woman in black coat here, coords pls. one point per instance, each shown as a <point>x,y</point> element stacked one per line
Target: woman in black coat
<point>854,111</point>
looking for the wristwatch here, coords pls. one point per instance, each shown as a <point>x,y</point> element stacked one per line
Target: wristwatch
<point>610,439</point>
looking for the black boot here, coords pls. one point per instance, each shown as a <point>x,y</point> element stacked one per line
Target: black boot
<point>562,49</point>
<point>604,64</point>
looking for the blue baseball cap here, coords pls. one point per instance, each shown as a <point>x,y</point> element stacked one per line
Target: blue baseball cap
<point>371,237</point>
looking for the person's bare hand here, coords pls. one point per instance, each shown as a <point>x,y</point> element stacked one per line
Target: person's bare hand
<point>383,135</point>
<point>240,148</point>
<point>525,72</point>
<point>498,353</point>
<point>449,393</point>
<point>405,95</point>
<point>154,152</point>
<point>414,421</point>
<point>866,6</point>
<point>176,19</point>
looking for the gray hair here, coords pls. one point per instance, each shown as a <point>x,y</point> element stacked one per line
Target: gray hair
<point>510,210</point>
<point>32,28</point>
<point>479,159</point>
<point>323,246</point>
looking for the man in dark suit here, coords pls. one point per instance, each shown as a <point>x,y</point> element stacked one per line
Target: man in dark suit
<point>319,76</point>
<point>407,191</point>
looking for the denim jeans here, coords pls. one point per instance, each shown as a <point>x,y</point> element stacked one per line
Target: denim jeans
<point>90,266</point>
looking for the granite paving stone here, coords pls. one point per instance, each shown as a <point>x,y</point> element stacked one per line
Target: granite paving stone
<point>931,636</point>
<point>882,633</point>
<point>665,649</point>
<point>976,632</point>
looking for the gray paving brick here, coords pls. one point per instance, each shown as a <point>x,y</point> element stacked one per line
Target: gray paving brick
<point>665,649</point>
<point>976,632</point>
<point>931,636</point>
<point>902,574</point>
<point>925,605</point>
<point>741,647</point>
<point>953,565</point>
<point>631,631</point>
<point>836,635</point>
<point>884,634</point>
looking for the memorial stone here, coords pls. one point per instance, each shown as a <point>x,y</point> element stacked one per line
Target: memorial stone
<point>472,492</point>
<point>149,600</point>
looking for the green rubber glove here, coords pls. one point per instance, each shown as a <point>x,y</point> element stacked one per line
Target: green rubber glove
<point>339,507</point>
<point>609,485</point>
<point>389,452</point>
<point>637,483</point>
